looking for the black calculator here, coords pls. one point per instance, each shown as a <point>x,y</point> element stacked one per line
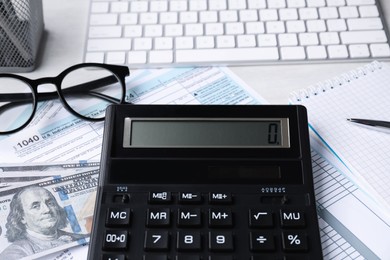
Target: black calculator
<point>205,182</point>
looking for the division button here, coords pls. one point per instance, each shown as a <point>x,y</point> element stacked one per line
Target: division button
<point>262,241</point>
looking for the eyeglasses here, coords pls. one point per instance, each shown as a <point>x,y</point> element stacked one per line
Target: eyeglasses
<point>85,90</point>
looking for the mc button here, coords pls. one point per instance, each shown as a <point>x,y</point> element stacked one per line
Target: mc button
<point>118,217</point>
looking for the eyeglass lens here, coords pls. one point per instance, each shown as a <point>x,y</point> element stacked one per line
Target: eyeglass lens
<point>16,103</point>
<point>87,91</point>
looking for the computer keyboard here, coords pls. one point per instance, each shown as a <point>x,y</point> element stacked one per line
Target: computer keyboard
<point>161,33</point>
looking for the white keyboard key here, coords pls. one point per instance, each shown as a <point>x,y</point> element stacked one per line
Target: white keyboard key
<point>308,13</point>
<point>237,4</point>
<point>316,26</point>
<point>295,26</point>
<point>133,31</point>
<point>214,29</point>
<point>246,41</point>
<point>254,27</point>
<point>328,13</point>
<point>359,51</point>
<point>292,53</point>
<point>257,4</point>
<point>226,41</point>
<point>363,37</point>
<point>116,57</point>
<point>142,44</point>
<point>315,3</point>
<point>336,25</point>
<point>248,16</point>
<point>276,3</point>
<point>360,2</point>
<point>97,57</point>
<point>120,44</point>
<point>168,18</point>
<point>184,43</point>
<point>155,30</point>
<point>348,12</point>
<point>327,38</point>
<point>99,7</point>
<point>130,18</point>
<point>288,14</point>
<point>148,18</point>
<point>380,50</point>
<point>316,52</point>
<point>337,51</point>
<point>335,2</point>
<point>136,57</point>
<point>226,55</point>
<point>204,42</point>
<point>105,31</point>
<point>268,15</point>
<point>275,27</point>
<point>197,5</point>
<point>174,30</point>
<point>119,7</point>
<point>177,5</point>
<point>288,39</point>
<point>193,29</point>
<point>364,24</point>
<point>103,19</point>
<point>138,6</point>
<point>266,40</point>
<point>296,3</point>
<point>217,4</point>
<point>228,16</point>
<point>308,39</point>
<point>160,56</point>
<point>208,16</point>
<point>159,6</point>
<point>368,11</point>
<point>188,17</point>
<point>163,43</point>
<point>234,28</point>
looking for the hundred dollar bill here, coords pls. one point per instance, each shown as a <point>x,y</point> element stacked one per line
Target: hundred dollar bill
<point>47,215</point>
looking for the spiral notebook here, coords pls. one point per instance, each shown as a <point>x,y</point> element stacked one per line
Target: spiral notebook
<point>365,152</point>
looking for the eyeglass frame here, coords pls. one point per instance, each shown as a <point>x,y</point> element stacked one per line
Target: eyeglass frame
<point>120,73</point>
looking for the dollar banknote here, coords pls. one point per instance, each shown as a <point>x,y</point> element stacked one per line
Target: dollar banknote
<point>48,214</point>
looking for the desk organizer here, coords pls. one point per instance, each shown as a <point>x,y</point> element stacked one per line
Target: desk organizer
<point>21,27</point>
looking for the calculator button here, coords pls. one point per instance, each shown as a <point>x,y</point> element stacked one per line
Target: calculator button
<point>189,218</point>
<point>220,198</point>
<point>292,218</point>
<point>262,241</point>
<point>220,218</point>
<point>190,197</point>
<point>155,257</point>
<point>158,217</point>
<point>118,217</point>
<point>221,241</point>
<point>115,239</point>
<point>260,218</point>
<point>294,241</point>
<point>220,257</point>
<point>156,240</point>
<point>113,257</point>
<point>188,241</point>
<point>188,257</point>
<point>121,198</point>
<point>160,197</point>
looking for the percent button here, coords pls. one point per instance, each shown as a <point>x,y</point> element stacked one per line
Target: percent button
<point>294,241</point>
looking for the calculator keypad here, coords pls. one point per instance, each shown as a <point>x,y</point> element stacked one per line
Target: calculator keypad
<point>202,226</point>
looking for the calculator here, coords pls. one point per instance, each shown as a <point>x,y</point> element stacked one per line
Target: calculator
<point>205,182</point>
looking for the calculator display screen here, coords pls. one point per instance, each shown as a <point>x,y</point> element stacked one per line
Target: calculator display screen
<point>208,133</point>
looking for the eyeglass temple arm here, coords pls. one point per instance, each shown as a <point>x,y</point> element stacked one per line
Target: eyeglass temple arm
<point>77,89</point>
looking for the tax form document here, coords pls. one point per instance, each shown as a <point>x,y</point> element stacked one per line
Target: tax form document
<point>56,135</point>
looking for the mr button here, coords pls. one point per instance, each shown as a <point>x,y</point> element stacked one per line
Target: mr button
<point>117,217</point>
<point>292,218</point>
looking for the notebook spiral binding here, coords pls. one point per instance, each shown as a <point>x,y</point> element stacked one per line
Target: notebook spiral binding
<point>317,89</point>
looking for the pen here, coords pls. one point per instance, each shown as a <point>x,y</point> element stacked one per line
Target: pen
<point>372,123</point>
